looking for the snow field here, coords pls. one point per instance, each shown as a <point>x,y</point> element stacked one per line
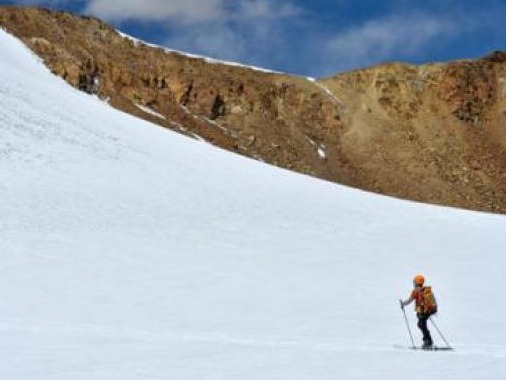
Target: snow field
<point>131,252</point>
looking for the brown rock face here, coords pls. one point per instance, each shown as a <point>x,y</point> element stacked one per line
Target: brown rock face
<point>434,133</point>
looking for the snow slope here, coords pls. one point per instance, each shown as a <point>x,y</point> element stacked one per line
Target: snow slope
<point>131,252</point>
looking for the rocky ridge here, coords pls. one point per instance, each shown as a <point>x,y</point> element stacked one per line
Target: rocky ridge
<point>434,133</point>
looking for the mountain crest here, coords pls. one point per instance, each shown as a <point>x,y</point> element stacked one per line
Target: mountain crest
<point>433,133</point>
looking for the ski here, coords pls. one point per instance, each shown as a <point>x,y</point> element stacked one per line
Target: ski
<point>416,348</point>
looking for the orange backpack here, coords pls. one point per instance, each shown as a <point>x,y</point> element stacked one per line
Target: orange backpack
<point>428,300</point>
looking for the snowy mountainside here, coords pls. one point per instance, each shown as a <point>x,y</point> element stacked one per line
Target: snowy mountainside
<point>432,133</point>
<point>131,252</point>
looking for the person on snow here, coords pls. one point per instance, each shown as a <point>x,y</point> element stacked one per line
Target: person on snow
<point>425,306</point>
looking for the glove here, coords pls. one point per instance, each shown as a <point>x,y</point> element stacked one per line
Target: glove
<point>402,304</point>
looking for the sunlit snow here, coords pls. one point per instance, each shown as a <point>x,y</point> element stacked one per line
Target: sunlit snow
<point>150,111</point>
<point>132,252</point>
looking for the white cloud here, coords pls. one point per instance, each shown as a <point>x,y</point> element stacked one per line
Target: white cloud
<point>266,9</point>
<point>259,42</point>
<point>248,31</point>
<point>377,40</point>
<point>218,41</point>
<point>49,3</point>
<point>157,10</point>
<point>189,11</point>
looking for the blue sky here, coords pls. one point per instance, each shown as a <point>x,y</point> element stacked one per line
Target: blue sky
<point>312,37</point>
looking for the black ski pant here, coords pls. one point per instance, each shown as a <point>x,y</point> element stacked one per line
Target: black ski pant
<point>422,325</point>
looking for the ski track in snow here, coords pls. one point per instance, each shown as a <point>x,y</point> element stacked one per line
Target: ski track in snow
<point>126,334</point>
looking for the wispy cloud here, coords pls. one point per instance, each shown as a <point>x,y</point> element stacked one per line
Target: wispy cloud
<point>189,11</point>
<point>248,37</point>
<point>157,10</point>
<point>49,3</point>
<point>250,31</point>
<point>379,40</point>
<point>266,9</point>
<point>213,40</point>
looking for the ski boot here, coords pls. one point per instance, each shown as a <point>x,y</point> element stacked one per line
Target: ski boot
<point>427,344</point>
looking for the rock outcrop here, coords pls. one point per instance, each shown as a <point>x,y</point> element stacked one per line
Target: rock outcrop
<point>434,133</point>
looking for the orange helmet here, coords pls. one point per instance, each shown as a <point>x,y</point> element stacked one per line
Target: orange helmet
<point>418,280</point>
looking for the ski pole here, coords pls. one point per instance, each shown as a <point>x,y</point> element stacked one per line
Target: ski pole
<point>407,324</point>
<point>439,331</point>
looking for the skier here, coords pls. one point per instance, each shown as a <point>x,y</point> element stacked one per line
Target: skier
<point>425,306</point>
